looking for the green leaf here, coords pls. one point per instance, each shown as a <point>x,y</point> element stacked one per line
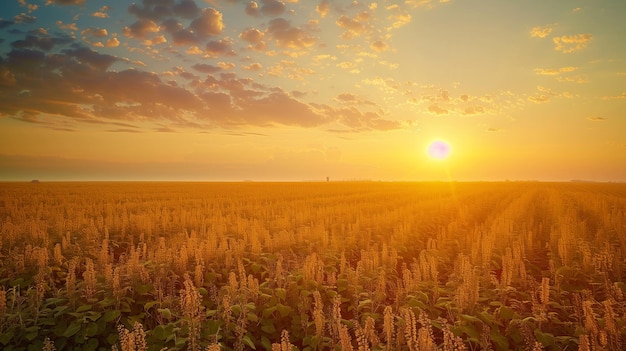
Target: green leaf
<point>546,339</point>
<point>6,337</point>
<point>111,315</point>
<point>284,310</point>
<point>160,332</point>
<point>506,313</point>
<point>150,304</point>
<point>501,342</point>
<point>143,289</point>
<point>246,340</point>
<point>167,314</point>
<point>267,344</point>
<point>31,332</point>
<point>72,329</point>
<point>268,311</point>
<point>281,293</point>
<point>252,317</point>
<point>91,329</point>
<point>469,318</point>
<point>364,303</point>
<point>268,328</point>
<point>93,315</point>
<point>83,308</point>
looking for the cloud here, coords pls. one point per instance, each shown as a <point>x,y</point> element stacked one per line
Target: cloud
<point>543,95</point>
<point>614,97</point>
<point>272,7</point>
<point>186,9</point>
<point>353,27</point>
<point>425,3</point>
<point>554,71</point>
<point>5,23</point>
<point>435,109</point>
<point>65,2</point>
<point>571,43</point>
<point>209,23</point>
<point>287,36</point>
<point>252,8</point>
<point>253,67</point>
<point>540,31</point>
<point>169,16</point>
<point>474,110</point>
<point>141,29</point>
<point>222,47</point>
<point>596,119</point>
<point>205,68</point>
<point>359,120</point>
<point>102,12</point>
<point>24,18</point>
<point>351,99</point>
<point>379,46</point>
<point>70,26</point>
<point>254,37</point>
<point>399,16</point>
<point>39,38</point>
<point>323,8</point>
<point>493,130</point>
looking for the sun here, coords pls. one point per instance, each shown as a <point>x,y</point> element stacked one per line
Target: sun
<point>439,150</point>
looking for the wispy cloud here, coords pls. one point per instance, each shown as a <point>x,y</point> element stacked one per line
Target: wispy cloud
<point>571,43</point>
<point>555,71</point>
<point>541,31</point>
<point>596,119</point>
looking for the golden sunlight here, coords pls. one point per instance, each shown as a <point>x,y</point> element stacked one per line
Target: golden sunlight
<point>438,150</point>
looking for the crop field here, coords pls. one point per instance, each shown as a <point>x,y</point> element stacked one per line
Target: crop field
<point>312,266</point>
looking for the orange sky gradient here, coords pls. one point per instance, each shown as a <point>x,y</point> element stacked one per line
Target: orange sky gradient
<point>292,90</point>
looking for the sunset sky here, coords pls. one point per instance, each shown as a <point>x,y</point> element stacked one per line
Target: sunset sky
<point>301,90</point>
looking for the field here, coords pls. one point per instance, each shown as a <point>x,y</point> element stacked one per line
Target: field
<point>312,266</point>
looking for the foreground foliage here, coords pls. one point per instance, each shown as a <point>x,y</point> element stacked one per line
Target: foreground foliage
<point>312,266</point>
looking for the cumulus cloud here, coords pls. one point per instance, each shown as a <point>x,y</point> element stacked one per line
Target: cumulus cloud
<point>39,38</point>
<point>540,31</point>
<point>398,16</point>
<point>209,23</point>
<point>205,68</point>
<point>272,7</point>
<point>254,37</point>
<point>24,18</point>
<point>222,47</point>
<point>543,95</point>
<point>186,9</point>
<point>379,46</point>
<point>169,16</point>
<point>323,8</point>
<point>435,109</point>
<point>571,43</point>
<point>252,8</point>
<point>141,29</point>
<point>253,67</point>
<point>287,36</point>
<point>79,86</point>
<point>354,27</point>
<point>102,12</point>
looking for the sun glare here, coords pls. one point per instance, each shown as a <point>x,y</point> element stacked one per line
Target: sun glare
<point>439,150</point>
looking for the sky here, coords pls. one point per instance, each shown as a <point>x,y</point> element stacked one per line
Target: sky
<point>292,90</point>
